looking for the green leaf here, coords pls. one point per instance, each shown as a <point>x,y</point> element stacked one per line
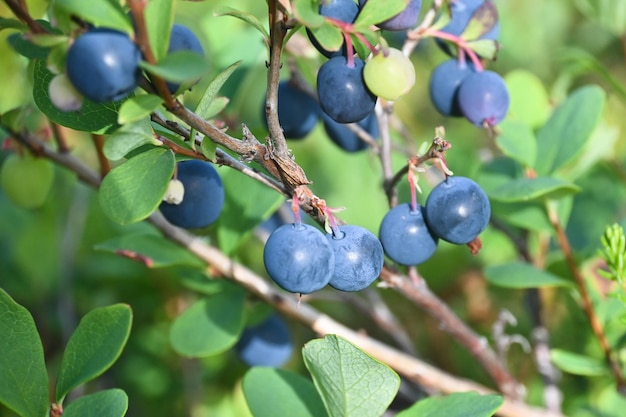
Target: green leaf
<point>26,48</point>
<point>106,13</point>
<point>208,148</point>
<point>239,217</point>
<point>272,392</point>
<point>246,17</point>
<point>307,13</point>
<point>92,117</point>
<point>460,404</point>
<point>96,343</point>
<point>529,189</point>
<point>523,275</point>
<point>569,128</point>
<point>530,103</point>
<point>350,382</point>
<point>24,381</point>
<point>133,190</point>
<point>210,326</point>
<point>576,364</point>
<point>204,106</point>
<point>138,107</point>
<point>529,216</point>
<point>516,140</point>
<point>128,137</point>
<point>329,36</point>
<point>7,23</point>
<point>107,403</point>
<point>486,48</point>
<point>179,66</point>
<point>376,11</point>
<point>217,105</point>
<point>154,250</point>
<point>159,15</point>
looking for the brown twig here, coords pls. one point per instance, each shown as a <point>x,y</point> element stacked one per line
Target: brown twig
<point>105,165</point>
<point>417,291</point>
<point>21,12</point>
<point>594,320</point>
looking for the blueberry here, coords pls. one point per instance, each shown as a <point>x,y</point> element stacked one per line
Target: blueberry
<point>299,258</point>
<point>404,20</point>
<point>203,199</point>
<point>359,258</point>
<point>342,92</point>
<point>298,112</point>
<point>345,138</point>
<point>405,237</point>
<point>457,210</point>
<point>266,344</point>
<point>182,39</point>
<point>344,10</point>
<point>483,98</point>
<point>103,65</point>
<point>444,86</point>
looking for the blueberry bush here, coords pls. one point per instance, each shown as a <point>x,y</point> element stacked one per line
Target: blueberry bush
<point>312,208</point>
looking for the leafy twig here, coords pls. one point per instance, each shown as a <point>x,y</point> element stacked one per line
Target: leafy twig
<point>594,320</point>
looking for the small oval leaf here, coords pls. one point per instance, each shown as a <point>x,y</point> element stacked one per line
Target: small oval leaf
<point>523,275</point>
<point>568,129</point>
<point>133,190</point>
<point>137,108</point>
<point>460,404</point>
<point>529,189</point>
<point>107,403</point>
<point>576,364</point>
<point>272,392</point>
<point>210,326</point>
<point>96,343</point>
<point>350,382</point>
<point>24,381</point>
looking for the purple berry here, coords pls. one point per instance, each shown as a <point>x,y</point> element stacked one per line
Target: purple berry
<point>483,98</point>
<point>345,138</point>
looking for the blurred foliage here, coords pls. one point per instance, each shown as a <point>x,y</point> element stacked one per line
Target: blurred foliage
<point>49,265</point>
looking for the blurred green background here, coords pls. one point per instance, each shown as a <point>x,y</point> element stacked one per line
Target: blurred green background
<point>48,264</point>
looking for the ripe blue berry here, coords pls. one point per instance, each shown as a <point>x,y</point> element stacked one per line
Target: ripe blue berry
<point>266,344</point>
<point>344,10</point>
<point>345,138</point>
<point>342,92</point>
<point>457,210</point>
<point>405,237</point>
<point>182,39</point>
<point>299,258</point>
<point>483,98</point>
<point>359,258</point>
<point>298,112</point>
<point>203,199</point>
<point>103,65</point>
<point>444,86</point>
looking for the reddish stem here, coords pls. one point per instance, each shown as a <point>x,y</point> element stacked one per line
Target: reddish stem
<point>460,43</point>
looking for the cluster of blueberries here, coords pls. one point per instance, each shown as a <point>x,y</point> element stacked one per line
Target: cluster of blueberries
<point>103,64</point>
<point>344,95</point>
